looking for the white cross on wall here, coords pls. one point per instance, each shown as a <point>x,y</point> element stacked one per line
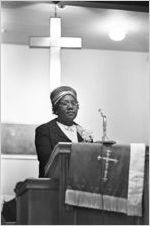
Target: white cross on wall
<point>55,42</point>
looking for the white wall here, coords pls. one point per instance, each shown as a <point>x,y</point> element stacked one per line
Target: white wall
<point>14,169</point>
<point>117,82</point>
<point>24,84</point>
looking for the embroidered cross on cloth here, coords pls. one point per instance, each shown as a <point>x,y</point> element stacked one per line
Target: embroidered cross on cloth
<point>107,178</point>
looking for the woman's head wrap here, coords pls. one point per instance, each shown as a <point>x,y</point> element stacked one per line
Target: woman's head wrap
<point>60,92</point>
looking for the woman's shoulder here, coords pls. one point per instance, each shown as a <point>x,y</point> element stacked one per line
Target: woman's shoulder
<point>46,125</point>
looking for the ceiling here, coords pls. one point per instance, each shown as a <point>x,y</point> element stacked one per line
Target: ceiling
<point>89,20</point>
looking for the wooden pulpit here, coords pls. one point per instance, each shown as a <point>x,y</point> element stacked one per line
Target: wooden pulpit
<point>42,201</point>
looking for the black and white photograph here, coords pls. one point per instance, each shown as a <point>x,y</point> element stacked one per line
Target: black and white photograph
<point>74,112</point>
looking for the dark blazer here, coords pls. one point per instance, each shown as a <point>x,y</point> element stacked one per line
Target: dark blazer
<point>46,137</point>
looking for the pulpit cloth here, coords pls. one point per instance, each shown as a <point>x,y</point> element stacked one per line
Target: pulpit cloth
<point>122,188</point>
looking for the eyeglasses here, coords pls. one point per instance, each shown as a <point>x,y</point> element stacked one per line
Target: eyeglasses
<point>67,103</point>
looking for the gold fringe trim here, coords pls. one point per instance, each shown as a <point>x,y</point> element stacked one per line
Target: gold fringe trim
<point>83,199</point>
<point>102,202</point>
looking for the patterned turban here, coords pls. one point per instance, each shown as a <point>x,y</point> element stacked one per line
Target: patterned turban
<point>60,92</point>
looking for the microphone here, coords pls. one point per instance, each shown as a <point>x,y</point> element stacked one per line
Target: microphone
<point>105,139</point>
<point>104,124</point>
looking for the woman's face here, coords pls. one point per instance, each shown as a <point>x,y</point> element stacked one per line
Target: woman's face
<point>67,109</point>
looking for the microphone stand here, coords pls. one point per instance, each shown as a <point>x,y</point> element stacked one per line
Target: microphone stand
<point>105,140</point>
